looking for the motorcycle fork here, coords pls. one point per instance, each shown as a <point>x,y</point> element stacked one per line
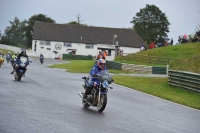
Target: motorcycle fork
<point>99,98</point>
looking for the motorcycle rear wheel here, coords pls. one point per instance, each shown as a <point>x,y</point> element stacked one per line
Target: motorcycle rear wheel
<point>102,104</point>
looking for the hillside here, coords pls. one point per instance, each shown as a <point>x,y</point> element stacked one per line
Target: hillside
<point>184,51</point>
<point>188,56</point>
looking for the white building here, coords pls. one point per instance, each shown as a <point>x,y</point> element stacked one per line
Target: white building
<point>53,40</point>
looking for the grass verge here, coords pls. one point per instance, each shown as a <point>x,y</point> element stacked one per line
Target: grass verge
<point>187,56</point>
<point>121,60</point>
<point>160,88</point>
<point>83,66</point>
<point>5,51</point>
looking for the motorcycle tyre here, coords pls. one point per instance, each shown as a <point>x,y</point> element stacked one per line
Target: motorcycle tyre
<point>103,104</point>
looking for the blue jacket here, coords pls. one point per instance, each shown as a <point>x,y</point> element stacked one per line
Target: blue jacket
<point>96,70</point>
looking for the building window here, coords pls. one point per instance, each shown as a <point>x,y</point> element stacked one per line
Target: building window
<point>45,42</point>
<point>48,42</point>
<point>89,46</point>
<point>66,44</point>
<point>42,42</point>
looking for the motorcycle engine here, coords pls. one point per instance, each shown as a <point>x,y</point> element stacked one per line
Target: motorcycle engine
<point>89,98</point>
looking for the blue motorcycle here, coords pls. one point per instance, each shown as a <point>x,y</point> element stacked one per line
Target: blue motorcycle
<point>97,96</point>
<point>20,67</point>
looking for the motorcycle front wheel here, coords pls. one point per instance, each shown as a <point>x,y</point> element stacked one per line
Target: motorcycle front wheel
<point>19,78</point>
<point>102,104</point>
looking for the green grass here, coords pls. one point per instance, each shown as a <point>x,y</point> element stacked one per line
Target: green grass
<point>183,51</point>
<point>188,56</point>
<point>83,66</point>
<point>5,51</point>
<point>76,66</point>
<point>160,88</point>
<point>121,60</point>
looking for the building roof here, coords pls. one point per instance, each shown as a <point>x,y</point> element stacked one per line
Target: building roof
<point>85,34</point>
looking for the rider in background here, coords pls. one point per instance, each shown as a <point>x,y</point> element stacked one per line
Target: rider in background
<point>8,56</point>
<point>1,53</point>
<point>94,72</point>
<point>41,56</point>
<point>1,57</point>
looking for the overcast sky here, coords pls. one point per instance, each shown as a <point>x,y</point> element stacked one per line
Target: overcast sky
<point>184,15</point>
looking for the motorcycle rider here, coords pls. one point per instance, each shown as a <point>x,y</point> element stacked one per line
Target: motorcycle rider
<point>1,58</point>
<point>13,59</point>
<point>8,56</point>
<point>23,53</point>
<point>94,72</point>
<point>41,57</point>
<point>1,53</point>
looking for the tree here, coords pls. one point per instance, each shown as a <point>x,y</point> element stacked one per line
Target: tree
<point>197,28</point>
<point>78,22</point>
<point>16,28</point>
<point>74,22</point>
<point>150,23</point>
<point>30,24</point>
<point>14,32</point>
<point>78,18</point>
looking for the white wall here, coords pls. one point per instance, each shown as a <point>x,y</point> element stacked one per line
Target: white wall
<point>11,48</point>
<point>129,50</point>
<point>80,49</point>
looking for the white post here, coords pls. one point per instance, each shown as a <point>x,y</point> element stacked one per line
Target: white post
<point>167,69</point>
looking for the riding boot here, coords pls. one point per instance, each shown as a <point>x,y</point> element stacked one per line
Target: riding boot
<point>24,73</point>
<point>12,71</point>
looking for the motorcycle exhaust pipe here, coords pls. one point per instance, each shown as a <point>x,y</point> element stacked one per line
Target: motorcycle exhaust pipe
<point>80,94</point>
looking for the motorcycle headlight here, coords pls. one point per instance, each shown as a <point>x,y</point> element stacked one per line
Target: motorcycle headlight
<point>105,84</point>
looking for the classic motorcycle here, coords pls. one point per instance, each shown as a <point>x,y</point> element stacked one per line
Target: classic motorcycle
<point>97,96</point>
<point>20,67</point>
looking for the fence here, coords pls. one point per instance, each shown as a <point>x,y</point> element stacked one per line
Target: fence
<point>184,79</point>
<point>148,59</point>
<point>113,65</point>
<point>76,57</point>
